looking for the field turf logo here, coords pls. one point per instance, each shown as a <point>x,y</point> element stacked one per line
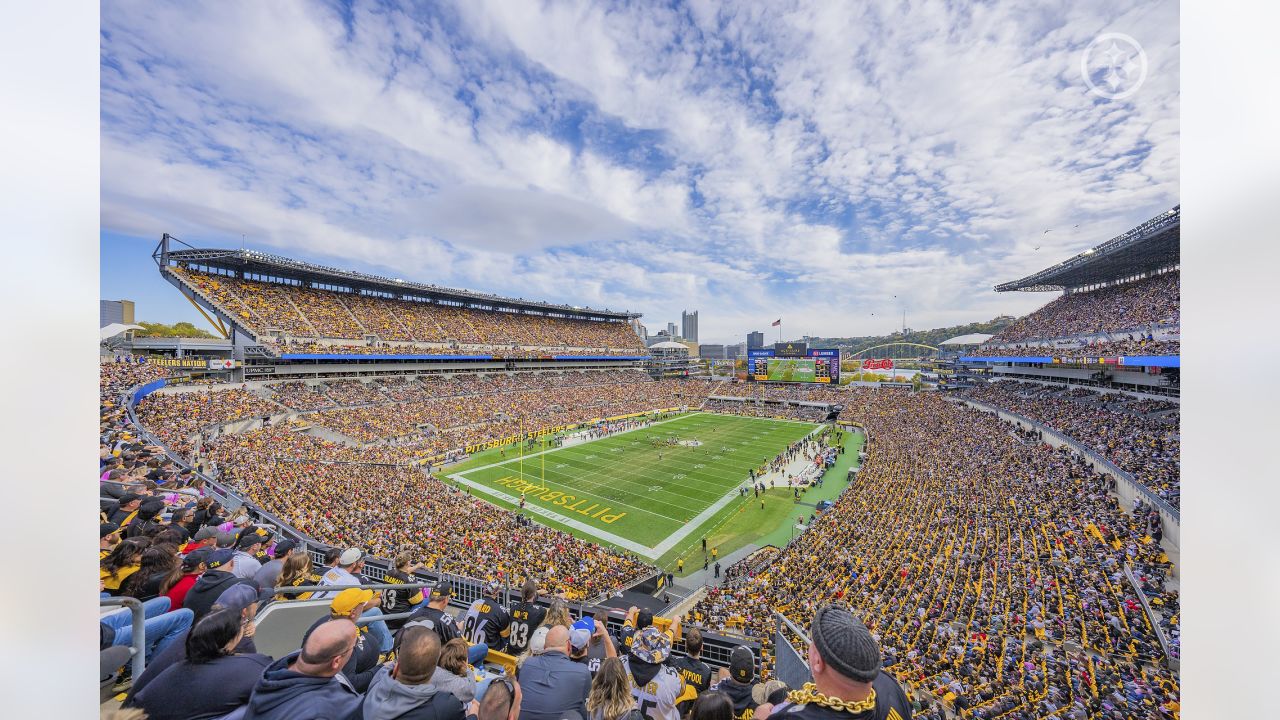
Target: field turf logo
<point>555,497</point>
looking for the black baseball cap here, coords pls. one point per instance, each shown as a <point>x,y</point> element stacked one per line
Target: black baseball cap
<point>441,589</point>
<point>249,540</point>
<point>283,547</point>
<point>106,529</point>
<point>742,664</point>
<point>193,559</point>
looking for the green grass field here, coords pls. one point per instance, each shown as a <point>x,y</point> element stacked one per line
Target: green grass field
<point>634,493</point>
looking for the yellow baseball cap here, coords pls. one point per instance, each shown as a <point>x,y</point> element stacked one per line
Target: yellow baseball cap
<point>348,599</point>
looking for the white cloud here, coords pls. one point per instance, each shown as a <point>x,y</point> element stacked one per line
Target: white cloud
<point>811,152</point>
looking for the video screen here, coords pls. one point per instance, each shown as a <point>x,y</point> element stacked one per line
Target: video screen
<point>792,364</point>
<point>791,370</point>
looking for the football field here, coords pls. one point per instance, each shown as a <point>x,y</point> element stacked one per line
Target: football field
<point>636,490</point>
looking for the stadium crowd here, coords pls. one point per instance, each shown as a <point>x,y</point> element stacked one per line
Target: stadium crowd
<point>990,571</point>
<point>1113,309</point>
<point>806,413</point>
<point>1112,425</point>
<point>1102,348</point>
<point>307,313</point>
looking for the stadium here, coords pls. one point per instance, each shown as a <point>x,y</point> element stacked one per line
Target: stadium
<point>1009,534</point>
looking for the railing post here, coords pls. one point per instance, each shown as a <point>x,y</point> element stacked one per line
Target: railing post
<point>138,620</point>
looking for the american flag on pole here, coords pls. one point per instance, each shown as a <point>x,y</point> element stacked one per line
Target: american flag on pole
<point>776,323</point>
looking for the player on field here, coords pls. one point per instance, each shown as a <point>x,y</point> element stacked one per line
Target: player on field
<point>526,616</point>
<point>486,620</point>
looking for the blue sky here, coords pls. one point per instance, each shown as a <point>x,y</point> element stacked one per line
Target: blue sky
<point>829,163</point>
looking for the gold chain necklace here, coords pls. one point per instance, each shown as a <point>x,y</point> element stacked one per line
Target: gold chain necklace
<point>809,694</point>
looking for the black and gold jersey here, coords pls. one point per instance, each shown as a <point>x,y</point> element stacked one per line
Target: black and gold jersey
<point>486,622</point>
<point>525,618</point>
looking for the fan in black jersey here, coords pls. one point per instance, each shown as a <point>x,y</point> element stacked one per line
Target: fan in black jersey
<point>738,681</point>
<point>486,620</point>
<point>433,616</point>
<point>846,664</point>
<point>526,616</point>
<point>691,669</point>
<point>401,601</point>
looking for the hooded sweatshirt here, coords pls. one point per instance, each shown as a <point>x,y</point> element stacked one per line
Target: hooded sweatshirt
<point>389,699</point>
<point>463,688</point>
<point>201,597</point>
<point>282,694</point>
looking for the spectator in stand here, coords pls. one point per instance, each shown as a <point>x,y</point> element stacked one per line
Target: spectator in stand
<point>124,510</point>
<point>192,568</point>
<point>655,685</point>
<point>500,702</point>
<point>246,563</point>
<point>269,574</point>
<point>711,705</point>
<point>309,683</point>
<point>552,684</point>
<point>395,602</point>
<point>610,697</point>
<point>216,579</point>
<point>160,628</point>
<point>122,562</point>
<point>347,572</point>
<point>453,674</point>
<point>846,664</point>
<point>158,569</point>
<point>297,572</point>
<point>363,663</point>
<point>401,690</point>
<point>108,538</point>
<point>239,599</point>
<point>739,680</point>
<point>213,680</point>
<point>434,617</point>
<point>690,667</point>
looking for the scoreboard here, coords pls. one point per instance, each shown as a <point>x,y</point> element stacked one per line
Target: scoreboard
<point>793,362</point>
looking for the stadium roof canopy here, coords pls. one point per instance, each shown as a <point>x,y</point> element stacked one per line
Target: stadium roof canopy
<point>668,345</point>
<point>114,329</point>
<point>971,339</point>
<point>1149,247</point>
<point>274,266</point>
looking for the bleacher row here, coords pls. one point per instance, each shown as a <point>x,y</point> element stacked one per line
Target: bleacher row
<point>324,321</point>
<point>1123,315</point>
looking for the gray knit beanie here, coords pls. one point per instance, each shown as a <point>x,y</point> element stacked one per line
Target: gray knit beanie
<point>845,644</point>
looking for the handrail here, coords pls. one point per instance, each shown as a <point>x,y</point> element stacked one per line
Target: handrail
<point>1151,617</point>
<point>1154,499</point>
<point>139,622</point>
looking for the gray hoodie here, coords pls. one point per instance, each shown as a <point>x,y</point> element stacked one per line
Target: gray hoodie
<point>463,688</point>
<point>388,698</point>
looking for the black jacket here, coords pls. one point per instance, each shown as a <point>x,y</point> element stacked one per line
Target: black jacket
<point>208,690</point>
<point>175,653</point>
<point>208,589</point>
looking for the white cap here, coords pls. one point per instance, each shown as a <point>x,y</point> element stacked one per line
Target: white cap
<point>350,556</point>
<point>538,643</point>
